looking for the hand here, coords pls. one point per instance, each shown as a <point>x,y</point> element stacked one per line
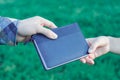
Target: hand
<point>98,46</point>
<point>34,25</point>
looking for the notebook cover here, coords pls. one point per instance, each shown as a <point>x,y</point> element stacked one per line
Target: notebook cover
<point>69,46</point>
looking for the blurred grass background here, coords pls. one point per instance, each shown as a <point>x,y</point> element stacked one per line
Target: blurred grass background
<point>96,18</point>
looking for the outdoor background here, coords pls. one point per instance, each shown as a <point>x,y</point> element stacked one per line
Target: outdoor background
<point>95,17</point>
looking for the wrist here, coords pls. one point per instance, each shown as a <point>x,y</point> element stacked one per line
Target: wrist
<point>110,43</point>
<point>19,37</point>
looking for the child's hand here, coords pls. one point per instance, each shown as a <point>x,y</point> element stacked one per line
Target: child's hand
<point>98,46</point>
<point>30,26</point>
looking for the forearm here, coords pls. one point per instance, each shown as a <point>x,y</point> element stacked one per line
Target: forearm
<point>114,45</point>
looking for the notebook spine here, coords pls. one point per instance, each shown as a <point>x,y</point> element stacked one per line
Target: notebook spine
<point>39,54</point>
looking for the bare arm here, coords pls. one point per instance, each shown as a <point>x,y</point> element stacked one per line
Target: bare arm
<point>100,46</point>
<point>114,45</point>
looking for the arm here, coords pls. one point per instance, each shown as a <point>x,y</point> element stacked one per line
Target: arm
<point>13,30</point>
<point>34,25</point>
<point>114,45</point>
<point>8,30</point>
<point>100,46</point>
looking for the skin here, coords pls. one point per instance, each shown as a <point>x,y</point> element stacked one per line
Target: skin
<point>100,46</point>
<point>34,25</point>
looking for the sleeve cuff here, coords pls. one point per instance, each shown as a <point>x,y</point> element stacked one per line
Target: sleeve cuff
<point>8,30</point>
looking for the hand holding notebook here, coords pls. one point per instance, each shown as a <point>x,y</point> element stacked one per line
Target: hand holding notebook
<point>69,46</point>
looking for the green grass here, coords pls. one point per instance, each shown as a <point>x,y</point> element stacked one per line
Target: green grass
<point>96,18</point>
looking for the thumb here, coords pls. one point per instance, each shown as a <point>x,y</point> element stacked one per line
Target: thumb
<point>93,47</point>
<point>95,44</point>
<point>48,33</point>
<point>98,42</point>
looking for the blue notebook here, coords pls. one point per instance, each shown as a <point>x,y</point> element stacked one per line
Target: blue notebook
<point>69,46</point>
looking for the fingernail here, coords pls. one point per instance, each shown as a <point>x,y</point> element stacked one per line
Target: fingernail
<point>84,61</point>
<point>92,63</point>
<point>54,36</point>
<point>55,26</point>
<point>90,51</point>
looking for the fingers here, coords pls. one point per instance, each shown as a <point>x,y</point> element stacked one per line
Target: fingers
<point>92,55</point>
<point>83,60</point>
<point>90,41</point>
<point>47,32</point>
<point>87,60</point>
<point>97,43</point>
<point>47,23</point>
<point>41,22</point>
<point>98,46</point>
<point>87,40</point>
